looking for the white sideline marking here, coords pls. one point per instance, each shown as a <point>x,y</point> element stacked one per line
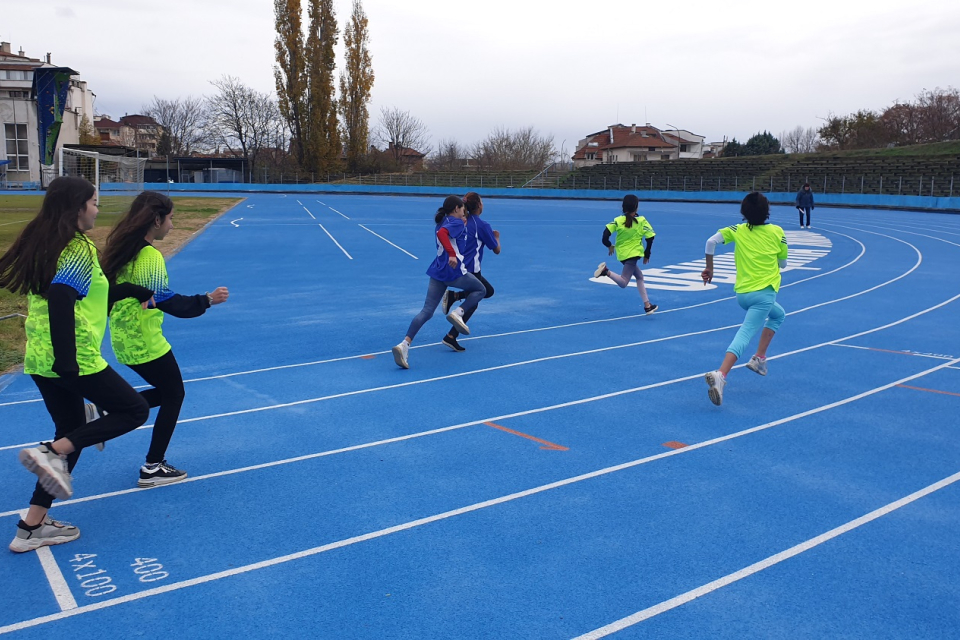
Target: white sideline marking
<point>334,240</point>
<point>335,211</point>
<point>766,563</point>
<point>61,590</point>
<point>905,353</point>
<point>299,203</point>
<point>311,215</point>
<point>562,405</point>
<point>183,584</point>
<point>390,243</point>
<point>323,203</point>
<point>14,222</point>
<point>485,337</point>
<point>560,356</point>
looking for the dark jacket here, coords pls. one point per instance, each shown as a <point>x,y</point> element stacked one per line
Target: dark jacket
<point>805,199</point>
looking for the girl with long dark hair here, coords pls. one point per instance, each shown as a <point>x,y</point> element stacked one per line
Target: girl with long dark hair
<point>760,251</point>
<point>56,266</point>
<point>479,235</point>
<point>136,333</point>
<point>446,270</point>
<point>631,229</point>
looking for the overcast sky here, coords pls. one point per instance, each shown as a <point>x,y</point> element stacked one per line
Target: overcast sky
<point>567,68</point>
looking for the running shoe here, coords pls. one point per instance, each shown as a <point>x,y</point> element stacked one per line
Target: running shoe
<point>455,318</point>
<point>650,308</point>
<point>449,297</point>
<point>51,469</point>
<point>154,475</point>
<point>601,270</point>
<point>400,355</point>
<point>49,532</point>
<point>93,412</point>
<point>451,342</point>
<point>716,382</point>
<point>758,365</point>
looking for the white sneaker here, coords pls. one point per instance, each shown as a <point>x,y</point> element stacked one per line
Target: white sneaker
<point>400,355</point>
<point>601,270</point>
<point>93,412</point>
<point>50,532</point>
<point>757,365</point>
<point>716,382</point>
<point>51,470</point>
<point>455,318</point>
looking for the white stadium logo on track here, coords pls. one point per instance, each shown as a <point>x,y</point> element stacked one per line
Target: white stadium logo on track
<point>805,247</point>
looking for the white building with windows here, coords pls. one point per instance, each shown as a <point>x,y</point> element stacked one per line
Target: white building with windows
<point>20,153</point>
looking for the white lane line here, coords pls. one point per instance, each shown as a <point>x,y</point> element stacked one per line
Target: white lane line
<point>492,335</point>
<point>447,514</point>
<point>935,356</point>
<point>389,243</point>
<point>234,222</point>
<point>14,222</point>
<point>766,563</point>
<point>299,203</point>
<point>527,412</point>
<point>335,211</point>
<point>323,203</point>
<point>335,241</point>
<point>61,590</point>
<point>310,214</point>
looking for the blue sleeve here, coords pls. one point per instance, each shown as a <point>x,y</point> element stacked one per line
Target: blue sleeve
<point>454,226</point>
<point>75,266</point>
<point>485,233</point>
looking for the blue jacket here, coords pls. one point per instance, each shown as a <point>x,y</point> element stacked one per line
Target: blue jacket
<point>805,199</point>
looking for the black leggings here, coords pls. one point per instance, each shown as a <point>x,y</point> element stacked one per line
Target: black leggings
<point>460,295</point>
<point>64,399</point>
<point>167,393</point>
<point>802,211</point>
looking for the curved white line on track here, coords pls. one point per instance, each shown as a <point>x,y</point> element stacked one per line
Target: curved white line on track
<point>493,335</point>
<point>523,362</point>
<point>562,405</point>
<point>234,222</point>
<point>406,526</point>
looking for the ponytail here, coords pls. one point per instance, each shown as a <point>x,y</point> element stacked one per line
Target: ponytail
<point>449,204</point>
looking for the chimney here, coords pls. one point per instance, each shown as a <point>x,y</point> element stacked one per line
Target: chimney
<point>48,59</point>
<point>633,128</point>
<point>21,54</point>
<point>4,47</point>
<point>611,134</point>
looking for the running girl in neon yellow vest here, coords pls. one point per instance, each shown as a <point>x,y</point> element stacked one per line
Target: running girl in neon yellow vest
<point>630,229</point>
<point>56,266</point>
<point>136,333</point>
<point>760,252</point>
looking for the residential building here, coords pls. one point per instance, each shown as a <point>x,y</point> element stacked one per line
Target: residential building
<point>21,153</point>
<point>619,143</point>
<point>140,132</point>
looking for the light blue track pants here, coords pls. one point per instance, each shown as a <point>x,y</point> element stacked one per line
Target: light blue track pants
<point>762,311</point>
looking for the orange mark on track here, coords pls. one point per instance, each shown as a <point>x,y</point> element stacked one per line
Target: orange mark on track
<point>673,444</point>
<point>946,393</point>
<point>549,446</point>
<point>367,357</point>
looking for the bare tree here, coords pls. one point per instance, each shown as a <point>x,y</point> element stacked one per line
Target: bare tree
<point>522,149</point>
<point>241,119</point>
<point>800,140</point>
<point>398,130</point>
<point>183,120</point>
<point>450,155</point>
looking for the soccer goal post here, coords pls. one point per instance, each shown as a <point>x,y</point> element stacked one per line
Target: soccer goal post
<point>100,168</point>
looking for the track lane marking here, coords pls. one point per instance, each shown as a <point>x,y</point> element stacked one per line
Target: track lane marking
<point>549,446</point>
<point>388,242</point>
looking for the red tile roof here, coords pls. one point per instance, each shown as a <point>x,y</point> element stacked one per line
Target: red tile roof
<point>136,120</point>
<point>623,138</point>
<point>105,123</point>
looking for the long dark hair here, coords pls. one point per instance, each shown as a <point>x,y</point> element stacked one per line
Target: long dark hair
<point>755,209</point>
<point>126,238</point>
<point>30,263</point>
<point>472,202</point>
<point>631,204</point>
<point>449,204</point>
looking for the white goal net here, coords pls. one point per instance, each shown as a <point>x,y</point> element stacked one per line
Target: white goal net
<point>100,168</point>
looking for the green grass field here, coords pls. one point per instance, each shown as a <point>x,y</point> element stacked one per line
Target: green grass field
<point>190,215</point>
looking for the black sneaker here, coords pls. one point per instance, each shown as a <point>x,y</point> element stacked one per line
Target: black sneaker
<point>451,342</point>
<point>153,475</point>
<point>449,297</point>
<point>650,308</point>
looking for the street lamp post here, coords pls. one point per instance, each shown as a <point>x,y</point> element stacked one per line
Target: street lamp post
<point>677,130</point>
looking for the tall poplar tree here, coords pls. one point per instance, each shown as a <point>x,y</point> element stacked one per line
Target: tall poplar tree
<point>356,82</point>
<point>322,150</point>
<point>290,72</point>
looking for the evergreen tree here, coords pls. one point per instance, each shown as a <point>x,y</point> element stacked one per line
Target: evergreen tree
<point>322,148</point>
<point>88,135</point>
<point>732,149</point>
<point>290,72</point>
<point>762,144</point>
<point>356,82</point>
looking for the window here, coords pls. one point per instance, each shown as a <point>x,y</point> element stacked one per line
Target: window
<point>651,148</point>
<point>19,94</point>
<point>17,154</point>
<point>591,156</point>
<point>639,157</point>
<point>684,148</point>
